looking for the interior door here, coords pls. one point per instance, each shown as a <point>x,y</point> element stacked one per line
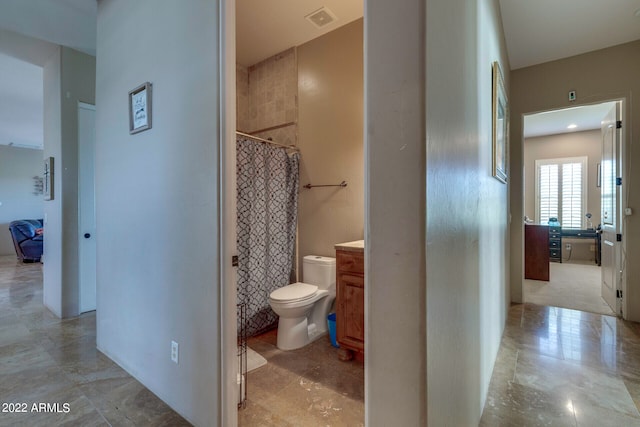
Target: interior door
<point>86,207</point>
<point>610,209</point>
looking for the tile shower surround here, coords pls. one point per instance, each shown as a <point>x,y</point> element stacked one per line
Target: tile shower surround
<point>267,97</point>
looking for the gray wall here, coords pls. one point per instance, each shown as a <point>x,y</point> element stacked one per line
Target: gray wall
<point>598,76</point>
<point>18,166</point>
<point>436,236</point>
<point>69,78</point>
<point>158,200</point>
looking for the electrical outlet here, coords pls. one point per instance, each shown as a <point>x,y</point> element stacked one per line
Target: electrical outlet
<point>174,352</point>
<point>568,246</point>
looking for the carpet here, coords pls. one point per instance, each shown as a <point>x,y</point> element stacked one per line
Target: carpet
<point>571,285</point>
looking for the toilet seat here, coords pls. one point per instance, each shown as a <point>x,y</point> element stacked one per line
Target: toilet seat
<point>295,292</point>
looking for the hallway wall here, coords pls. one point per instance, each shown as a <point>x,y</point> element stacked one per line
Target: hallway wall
<point>158,270</point>
<point>69,78</point>
<point>467,210</point>
<point>18,166</point>
<point>598,76</point>
<point>437,225</point>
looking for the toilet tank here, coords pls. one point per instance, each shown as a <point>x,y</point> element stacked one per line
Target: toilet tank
<point>319,271</point>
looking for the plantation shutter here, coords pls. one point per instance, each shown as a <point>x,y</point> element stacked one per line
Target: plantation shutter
<point>548,189</point>
<point>560,191</point>
<point>572,195</point>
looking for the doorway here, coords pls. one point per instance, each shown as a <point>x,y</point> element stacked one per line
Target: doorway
<point>306,92</point>
<point>565,189</point>
<point>86,207</point>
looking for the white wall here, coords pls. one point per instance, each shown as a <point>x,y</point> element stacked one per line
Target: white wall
<point>18,166</point>
<point>436,235</point>
<point>52,270</point>
<point>467,210</point>
<point>395,350</point>
<point>69,78</point>
<point>158,200</point>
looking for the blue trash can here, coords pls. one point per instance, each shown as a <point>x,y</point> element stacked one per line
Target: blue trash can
<point>331,321</point>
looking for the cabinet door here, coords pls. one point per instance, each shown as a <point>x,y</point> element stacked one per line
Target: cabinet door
<point>350,322</point>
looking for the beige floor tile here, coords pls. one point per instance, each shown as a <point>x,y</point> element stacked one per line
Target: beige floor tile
<point>47,360</point>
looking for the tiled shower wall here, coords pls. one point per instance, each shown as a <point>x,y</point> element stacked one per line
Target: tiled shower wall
<point>267,98</point>
<point>242,99</point>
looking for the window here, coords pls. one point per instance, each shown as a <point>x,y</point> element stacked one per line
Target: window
<point>561,191</point>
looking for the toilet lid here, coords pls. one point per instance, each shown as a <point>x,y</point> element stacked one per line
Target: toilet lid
<point>294,292</point>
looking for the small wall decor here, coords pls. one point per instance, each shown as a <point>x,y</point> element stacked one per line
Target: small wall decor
<point>140,108</point>
<point>48,178</point>
<point>38,185</point>
<point>500,134</point>
<point>598,176</point>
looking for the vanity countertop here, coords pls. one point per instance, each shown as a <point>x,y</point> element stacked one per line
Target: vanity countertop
<point>355,246</point>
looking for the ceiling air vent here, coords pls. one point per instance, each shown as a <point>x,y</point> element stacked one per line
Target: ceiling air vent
<point>321,17</point>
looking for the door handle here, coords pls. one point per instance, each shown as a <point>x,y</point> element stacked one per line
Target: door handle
<point>87,235</point>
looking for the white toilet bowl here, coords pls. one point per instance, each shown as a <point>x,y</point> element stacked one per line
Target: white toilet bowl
<point>302,319</point>
<point>303,307</point>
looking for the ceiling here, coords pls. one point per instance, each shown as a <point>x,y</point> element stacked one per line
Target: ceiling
<point>281,24</point>
<point>539,31</point>
<point>535,31</point>
<point>554,122</point>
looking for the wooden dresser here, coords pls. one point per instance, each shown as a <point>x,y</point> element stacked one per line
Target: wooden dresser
<point>350,299</point>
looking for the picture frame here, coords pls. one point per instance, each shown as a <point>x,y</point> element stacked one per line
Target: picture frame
<point>48,179</point>
<point>598,175</point>
<point>500,125</point>
<point>140,108</point>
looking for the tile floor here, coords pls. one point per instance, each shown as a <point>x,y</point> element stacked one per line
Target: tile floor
<point>555,366</point>
<point>562,367</point>
<point>305,387</point>
<point>47,360</point>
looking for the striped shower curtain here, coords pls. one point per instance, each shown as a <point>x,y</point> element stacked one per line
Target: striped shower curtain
<point>267,210</point>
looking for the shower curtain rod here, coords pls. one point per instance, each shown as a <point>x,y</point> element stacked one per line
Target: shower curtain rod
<point>257,138</point>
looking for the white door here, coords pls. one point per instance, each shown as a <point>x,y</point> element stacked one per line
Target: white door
<point>610,211</point>
<point>86,207</point>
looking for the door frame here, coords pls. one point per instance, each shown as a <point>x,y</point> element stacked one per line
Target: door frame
<point>620,249</point>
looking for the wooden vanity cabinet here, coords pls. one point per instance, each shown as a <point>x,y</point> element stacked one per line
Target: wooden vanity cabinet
<point>350,304</point>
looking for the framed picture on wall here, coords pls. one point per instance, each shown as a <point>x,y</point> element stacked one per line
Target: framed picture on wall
<point>140,108</point>
<point>500,128</point>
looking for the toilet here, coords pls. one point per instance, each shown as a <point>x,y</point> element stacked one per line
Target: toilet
<point>303,307</point>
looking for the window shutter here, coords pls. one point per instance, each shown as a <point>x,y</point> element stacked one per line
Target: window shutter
<point>560,190</point>
<point>548,188</point>
<point>572,195</point>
